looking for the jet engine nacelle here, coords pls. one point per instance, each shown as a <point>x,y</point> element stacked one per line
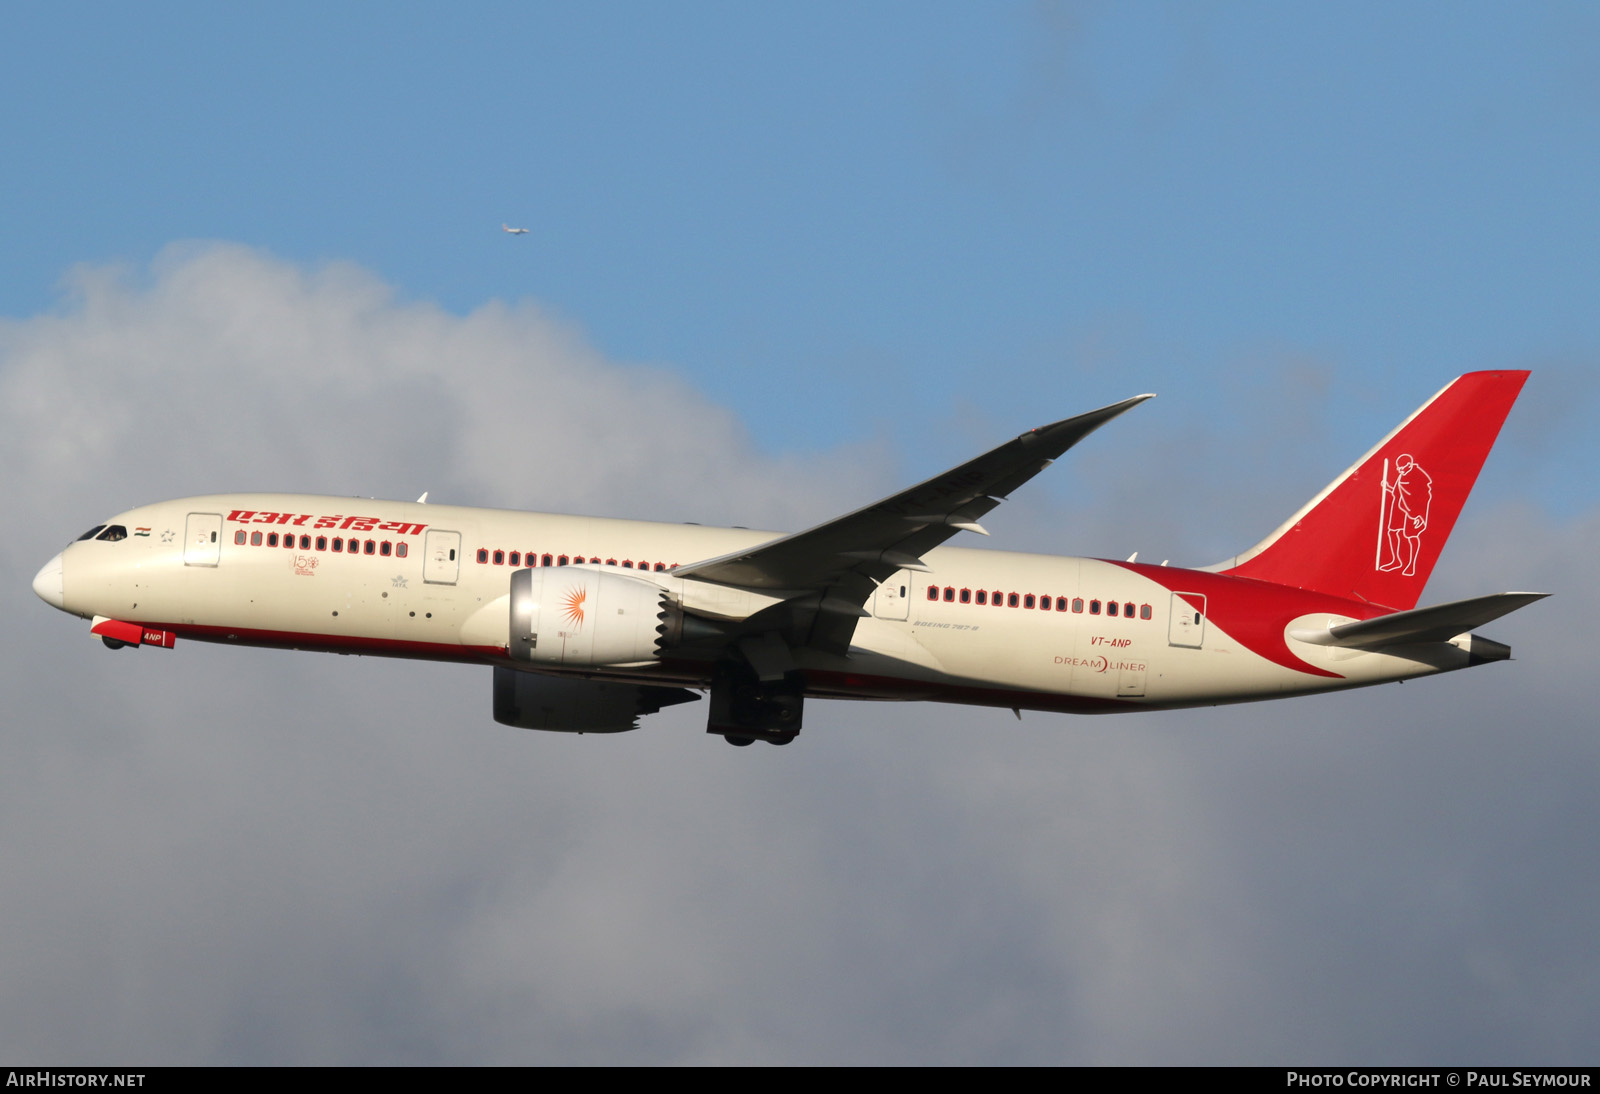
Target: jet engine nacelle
<point>578,616</point>
<point>533,701</point>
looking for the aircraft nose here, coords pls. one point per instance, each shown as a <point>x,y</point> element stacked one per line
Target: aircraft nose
<point>48,585</point>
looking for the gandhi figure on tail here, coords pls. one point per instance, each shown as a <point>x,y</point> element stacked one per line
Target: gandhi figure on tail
<point>1406,502</point>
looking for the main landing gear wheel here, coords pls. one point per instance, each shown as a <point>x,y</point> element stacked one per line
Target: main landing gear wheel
<point>746,709</point>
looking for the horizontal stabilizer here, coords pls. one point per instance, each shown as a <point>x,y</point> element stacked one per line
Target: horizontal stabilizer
<point>1439,623</point>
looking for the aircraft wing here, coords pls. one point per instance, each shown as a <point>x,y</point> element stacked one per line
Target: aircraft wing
<point>837,565</point>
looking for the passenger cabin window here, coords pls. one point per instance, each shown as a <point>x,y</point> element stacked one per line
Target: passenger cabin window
<point>238,537</point>
<point>1111,607</point>
<point>1094,607</point>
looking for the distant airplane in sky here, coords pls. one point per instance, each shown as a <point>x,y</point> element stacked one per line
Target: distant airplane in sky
<point>504,227</point>
<point>590,623</point>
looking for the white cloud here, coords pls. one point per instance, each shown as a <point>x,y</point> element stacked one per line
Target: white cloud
<point>214,855</point>
<point>226,370</point>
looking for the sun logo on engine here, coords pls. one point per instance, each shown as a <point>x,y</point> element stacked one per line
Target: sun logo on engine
<point>573,608</point>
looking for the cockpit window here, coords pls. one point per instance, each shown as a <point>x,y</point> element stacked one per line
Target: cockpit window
<point>113,533</point>
<point>91,533</point>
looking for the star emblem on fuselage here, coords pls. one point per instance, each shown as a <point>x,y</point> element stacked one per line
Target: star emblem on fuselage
<point>168,535</point>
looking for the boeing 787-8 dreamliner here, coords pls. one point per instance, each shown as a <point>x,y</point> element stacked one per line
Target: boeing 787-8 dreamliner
<point>590,623</point>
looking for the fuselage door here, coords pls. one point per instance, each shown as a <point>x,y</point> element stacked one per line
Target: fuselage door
<point>1187,624</point>
<point>893,598</point>
<point>202,539</point>
<point>441,557</point>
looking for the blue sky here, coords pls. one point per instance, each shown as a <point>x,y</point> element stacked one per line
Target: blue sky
<point>783,259</point>
<point>894,212</point>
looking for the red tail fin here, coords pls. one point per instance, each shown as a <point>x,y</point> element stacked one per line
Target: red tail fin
<point>1375,533</point>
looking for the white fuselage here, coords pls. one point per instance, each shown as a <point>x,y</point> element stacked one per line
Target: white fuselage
<point>984,627</point>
